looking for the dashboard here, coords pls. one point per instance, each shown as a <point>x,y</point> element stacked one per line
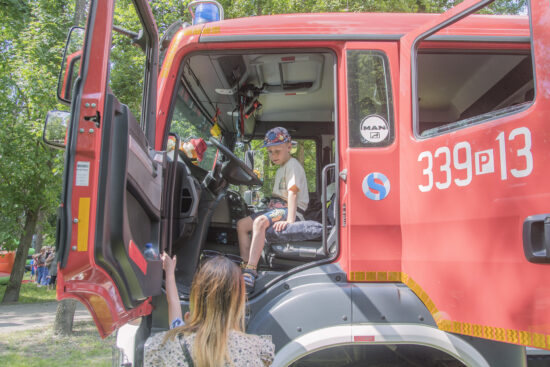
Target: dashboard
<point>230,209</point>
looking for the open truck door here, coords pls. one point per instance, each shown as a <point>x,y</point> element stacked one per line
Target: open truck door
<point>475,199</point>
<point>112,204</point>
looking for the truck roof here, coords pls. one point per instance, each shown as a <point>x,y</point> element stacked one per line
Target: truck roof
<point>358,26</point>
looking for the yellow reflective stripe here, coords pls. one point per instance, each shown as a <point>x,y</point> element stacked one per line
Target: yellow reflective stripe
<point>83,224</point>
<point>521,337</point>
<point>169,59</point>
<point>375,276</point>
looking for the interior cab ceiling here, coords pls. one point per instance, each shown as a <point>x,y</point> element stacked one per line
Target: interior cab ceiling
<point>268,87</point>
<point>454,86</point>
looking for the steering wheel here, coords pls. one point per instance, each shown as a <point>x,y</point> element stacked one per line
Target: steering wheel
<point>235,171</point>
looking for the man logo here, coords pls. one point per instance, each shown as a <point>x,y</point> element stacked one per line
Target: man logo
<point>374,129</point>
<point>376,186</point>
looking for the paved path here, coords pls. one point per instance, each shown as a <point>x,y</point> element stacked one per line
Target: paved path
<point>30,315</point>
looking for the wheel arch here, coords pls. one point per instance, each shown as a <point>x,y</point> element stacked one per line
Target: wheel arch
<point>379,334</point>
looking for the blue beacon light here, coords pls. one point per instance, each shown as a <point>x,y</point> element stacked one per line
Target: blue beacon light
<point>206,11</point>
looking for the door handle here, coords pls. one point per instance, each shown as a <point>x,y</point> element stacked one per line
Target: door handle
<point>536,238</point>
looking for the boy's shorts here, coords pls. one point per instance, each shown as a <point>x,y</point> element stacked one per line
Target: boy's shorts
<point>277,211</point>
<point>273,215</point>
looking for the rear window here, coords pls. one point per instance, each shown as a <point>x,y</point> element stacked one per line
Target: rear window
<point>457,89</point>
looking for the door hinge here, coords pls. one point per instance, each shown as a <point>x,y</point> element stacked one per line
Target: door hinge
<point>344,174</point>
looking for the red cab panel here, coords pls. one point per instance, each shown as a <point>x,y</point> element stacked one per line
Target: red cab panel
<point>468,196</point>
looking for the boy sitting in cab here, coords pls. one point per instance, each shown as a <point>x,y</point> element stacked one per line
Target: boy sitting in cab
<point>289,201</point>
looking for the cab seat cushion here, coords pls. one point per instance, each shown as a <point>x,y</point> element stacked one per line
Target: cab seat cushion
<point>307,230</point>
<point>301,251</point>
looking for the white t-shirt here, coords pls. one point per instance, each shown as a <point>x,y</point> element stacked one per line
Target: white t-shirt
<point>291,174</point>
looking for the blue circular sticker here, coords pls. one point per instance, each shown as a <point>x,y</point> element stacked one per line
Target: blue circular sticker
<point>373,189</point>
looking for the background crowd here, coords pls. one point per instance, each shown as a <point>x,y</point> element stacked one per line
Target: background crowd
<point>44,268</point>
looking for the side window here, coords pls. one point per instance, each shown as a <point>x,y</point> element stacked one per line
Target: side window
<point>305,151</point>
<point>460,88</point>
<point>370,110</point>
<point>127,60</point>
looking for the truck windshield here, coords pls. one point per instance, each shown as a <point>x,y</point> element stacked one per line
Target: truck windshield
<point>188,122</point>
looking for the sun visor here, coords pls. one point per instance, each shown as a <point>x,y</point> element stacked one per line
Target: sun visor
<point>234,71</point>
<point>290,73</point>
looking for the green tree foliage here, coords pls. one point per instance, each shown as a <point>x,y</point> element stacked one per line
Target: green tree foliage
<point>32,35</point>
<point>241,8</point>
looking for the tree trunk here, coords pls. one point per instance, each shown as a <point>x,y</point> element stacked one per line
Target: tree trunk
<point>16,276</point>
<point>39,241</point>
<point>39,233</point>
<point>301,154</point>
<point>64,317</point>
<point>80,13</point>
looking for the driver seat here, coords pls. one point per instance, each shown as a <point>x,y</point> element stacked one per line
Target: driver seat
<point>289,254</point>
<point>302,241</point>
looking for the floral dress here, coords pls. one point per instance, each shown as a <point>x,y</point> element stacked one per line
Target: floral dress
<point>245,350</point>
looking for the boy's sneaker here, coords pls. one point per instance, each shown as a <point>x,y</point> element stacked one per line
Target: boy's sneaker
<point>249,276</point>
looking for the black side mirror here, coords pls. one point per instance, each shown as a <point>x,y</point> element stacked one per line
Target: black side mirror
<point>55,128</point>
<point>70,65</point>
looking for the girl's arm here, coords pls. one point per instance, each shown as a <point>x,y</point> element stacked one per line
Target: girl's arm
<point>172,297</point>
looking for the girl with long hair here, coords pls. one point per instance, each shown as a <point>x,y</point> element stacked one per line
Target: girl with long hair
<point>213,333</point>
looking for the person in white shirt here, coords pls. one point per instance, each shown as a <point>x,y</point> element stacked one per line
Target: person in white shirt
<point>289,201</point>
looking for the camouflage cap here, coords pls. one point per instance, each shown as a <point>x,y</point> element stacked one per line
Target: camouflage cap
<point>276,136</point>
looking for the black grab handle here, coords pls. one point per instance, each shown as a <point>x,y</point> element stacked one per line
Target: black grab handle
<point>536,238</point>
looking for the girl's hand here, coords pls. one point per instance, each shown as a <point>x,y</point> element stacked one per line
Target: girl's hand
<point>168,263</point>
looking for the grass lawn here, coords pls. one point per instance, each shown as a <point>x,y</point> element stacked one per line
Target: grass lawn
<point>31,293</point>
<point>37,348</point>
<point>4,280</point>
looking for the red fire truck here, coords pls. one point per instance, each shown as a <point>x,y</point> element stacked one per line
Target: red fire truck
<point>424,145</point>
